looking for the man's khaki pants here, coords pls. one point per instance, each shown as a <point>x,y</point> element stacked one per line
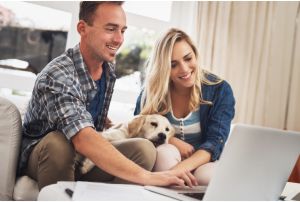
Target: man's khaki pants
<point>53,159</point>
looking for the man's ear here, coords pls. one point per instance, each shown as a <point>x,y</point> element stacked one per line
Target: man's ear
<point>135,126</point>
<point>81,27</point>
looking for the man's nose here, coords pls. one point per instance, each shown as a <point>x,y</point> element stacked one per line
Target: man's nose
<point>119,37</point>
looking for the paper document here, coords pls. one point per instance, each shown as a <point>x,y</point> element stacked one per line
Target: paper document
<point>91,191</point>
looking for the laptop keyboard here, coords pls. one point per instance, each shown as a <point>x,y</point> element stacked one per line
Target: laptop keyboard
<point>198,196</point>
<point>180,193</point>
<point>196,192</point>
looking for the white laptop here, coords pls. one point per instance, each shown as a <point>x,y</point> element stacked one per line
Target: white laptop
<point>255,165</point>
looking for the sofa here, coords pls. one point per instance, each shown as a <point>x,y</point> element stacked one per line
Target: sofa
<point>23,188</point>
<point>12,109</point>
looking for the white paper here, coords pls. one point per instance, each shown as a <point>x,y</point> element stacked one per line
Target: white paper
<point>90,191</point>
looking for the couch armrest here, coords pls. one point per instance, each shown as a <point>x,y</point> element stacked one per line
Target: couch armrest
<point>10,138</point>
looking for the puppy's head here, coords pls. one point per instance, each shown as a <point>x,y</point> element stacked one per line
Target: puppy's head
<point>155,128</point>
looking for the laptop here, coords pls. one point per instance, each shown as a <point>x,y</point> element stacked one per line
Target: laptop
<point>255,165</point>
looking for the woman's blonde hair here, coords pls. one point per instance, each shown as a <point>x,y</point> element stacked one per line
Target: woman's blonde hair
<point>156,97</point>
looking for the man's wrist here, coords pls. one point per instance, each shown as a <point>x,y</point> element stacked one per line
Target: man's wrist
<point>143,177</point>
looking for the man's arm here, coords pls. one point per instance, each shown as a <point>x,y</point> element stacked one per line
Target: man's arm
<point>89,143</point>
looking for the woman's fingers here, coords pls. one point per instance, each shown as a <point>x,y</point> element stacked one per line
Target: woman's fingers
<point>189,152</point>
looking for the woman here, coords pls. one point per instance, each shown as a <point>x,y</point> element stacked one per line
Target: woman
<point>198,104</point>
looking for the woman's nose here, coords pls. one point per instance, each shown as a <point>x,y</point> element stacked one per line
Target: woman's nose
<point>184,66</point>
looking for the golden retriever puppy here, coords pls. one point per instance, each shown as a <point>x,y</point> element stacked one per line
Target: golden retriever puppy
<point>155,128</point>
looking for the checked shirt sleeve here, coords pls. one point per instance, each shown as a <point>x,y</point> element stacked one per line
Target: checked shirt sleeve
<point>65,105</point>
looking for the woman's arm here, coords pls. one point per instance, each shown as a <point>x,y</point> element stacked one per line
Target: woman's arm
<point>216,118</point>
<point>197,159</point>
<point>192,159</point>
<point>185,149</point>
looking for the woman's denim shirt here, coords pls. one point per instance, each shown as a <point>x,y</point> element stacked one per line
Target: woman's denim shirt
<point>215,119</point>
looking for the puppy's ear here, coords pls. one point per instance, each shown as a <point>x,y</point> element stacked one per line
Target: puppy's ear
<point>171,133</point>
<point>135,126</point>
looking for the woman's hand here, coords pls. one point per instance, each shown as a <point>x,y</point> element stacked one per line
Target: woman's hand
<point>185,149</point>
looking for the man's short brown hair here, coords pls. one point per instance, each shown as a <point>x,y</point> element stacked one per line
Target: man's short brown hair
<point>88,8</point>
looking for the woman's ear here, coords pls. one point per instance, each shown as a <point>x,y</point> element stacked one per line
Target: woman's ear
<point>135,126</point>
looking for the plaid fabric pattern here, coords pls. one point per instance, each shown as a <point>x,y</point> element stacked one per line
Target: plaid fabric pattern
<point>61,96</point>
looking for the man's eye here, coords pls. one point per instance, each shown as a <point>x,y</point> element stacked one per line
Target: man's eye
<point>153,124</point>
<point>110,29</point>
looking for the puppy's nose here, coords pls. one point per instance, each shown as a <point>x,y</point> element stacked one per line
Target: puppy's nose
<point>162,136</point>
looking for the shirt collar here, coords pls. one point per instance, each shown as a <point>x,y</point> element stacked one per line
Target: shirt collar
<point>81,68</point>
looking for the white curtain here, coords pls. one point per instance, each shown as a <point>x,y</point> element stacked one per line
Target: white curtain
<point>255,46</point>
<point>183,17</point>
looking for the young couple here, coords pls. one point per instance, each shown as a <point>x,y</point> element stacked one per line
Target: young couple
<point>71,97</point>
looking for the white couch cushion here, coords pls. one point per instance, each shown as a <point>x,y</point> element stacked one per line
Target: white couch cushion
<point>10,139</point>
<point>26,189</point>
<point>10,136</point>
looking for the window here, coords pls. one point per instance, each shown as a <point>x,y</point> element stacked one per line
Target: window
<point>145,22</point>
<point>28,41</point>
<point>38,42</point>
<point>33,40</point>
<point>157,10</point>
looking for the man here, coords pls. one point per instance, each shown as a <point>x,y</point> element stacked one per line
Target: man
<point>69,104</point>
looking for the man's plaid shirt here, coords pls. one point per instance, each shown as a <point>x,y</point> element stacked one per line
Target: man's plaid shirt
<point>61,96</point>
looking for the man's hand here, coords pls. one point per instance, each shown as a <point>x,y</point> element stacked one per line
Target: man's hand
<point>171,177</point>
<point>186,150</point>
<point>87,142</point>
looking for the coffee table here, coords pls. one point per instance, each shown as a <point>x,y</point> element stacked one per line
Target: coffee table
<point>56,192</point>
<point>113,192</point>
